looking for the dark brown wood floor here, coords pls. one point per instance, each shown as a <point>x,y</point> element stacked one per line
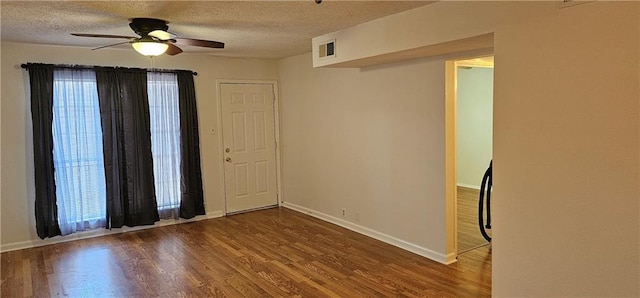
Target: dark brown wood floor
<point>469,236</point>
<point>275,252</point>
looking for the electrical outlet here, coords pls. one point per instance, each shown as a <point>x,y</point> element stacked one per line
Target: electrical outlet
<point>344,212</point>
<point>357,216</point>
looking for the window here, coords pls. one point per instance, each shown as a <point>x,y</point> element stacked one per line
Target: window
<point>162,89</point>
<point>94,147</point>
<point>77,151</point>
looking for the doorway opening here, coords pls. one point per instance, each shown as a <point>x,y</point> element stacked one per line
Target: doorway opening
<point>469,146</point>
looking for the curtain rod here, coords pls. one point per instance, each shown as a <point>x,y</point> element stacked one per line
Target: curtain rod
<point>26,66</point>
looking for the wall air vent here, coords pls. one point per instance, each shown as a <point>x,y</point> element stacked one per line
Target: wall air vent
<point>327,49</point>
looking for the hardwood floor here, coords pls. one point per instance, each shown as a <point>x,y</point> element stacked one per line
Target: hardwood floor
<point>274,252</point>
<point>469,236</point>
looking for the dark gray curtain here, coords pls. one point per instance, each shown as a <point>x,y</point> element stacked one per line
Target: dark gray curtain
<point>124,113</point>
<point>192,199</point>
<point>41,82</point>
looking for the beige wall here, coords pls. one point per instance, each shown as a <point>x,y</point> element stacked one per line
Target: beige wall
<point>566,135</point>
<point>566,154</point>
<point>368,140</point>
<point>17,193</point>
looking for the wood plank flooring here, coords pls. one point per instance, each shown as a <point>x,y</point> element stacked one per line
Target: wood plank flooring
<point>269,253</point>
<point>469,236</point>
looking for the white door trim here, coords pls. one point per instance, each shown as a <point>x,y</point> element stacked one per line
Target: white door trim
<point>276,119</point>
<point>451,183</point>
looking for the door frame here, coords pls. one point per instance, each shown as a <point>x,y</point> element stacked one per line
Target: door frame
<point>276,120</point>
<point>451,203</point>
<point>451,182</point>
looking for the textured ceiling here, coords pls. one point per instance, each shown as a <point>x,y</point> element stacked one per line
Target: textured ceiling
<point>258,29</point>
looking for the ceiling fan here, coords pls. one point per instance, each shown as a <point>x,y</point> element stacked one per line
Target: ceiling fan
<point>154,38</point>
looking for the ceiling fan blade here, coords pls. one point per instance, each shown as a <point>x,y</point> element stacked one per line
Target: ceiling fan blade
<point>200,43</point>
<point>111,45</point>
<point>173,50</point>
<point>101,35</point>
<point>161,35</point>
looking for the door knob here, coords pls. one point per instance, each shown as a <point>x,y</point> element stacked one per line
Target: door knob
<point>227,150</point>
<point>228,159</point>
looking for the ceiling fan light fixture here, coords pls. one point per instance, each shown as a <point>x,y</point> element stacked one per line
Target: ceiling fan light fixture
<point>150,48</point>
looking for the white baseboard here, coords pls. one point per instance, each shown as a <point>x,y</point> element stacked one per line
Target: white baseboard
<point>451,258</point>
<point>419,250</point>
<point>476,187</point>
<point>103,232</point>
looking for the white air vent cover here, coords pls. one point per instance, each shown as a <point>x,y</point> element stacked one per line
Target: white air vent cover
<point>327,49</point>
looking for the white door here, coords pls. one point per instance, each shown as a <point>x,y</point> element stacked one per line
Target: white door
<point>248,133</point>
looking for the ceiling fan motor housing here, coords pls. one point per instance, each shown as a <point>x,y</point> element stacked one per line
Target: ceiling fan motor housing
<point>142,26</point>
